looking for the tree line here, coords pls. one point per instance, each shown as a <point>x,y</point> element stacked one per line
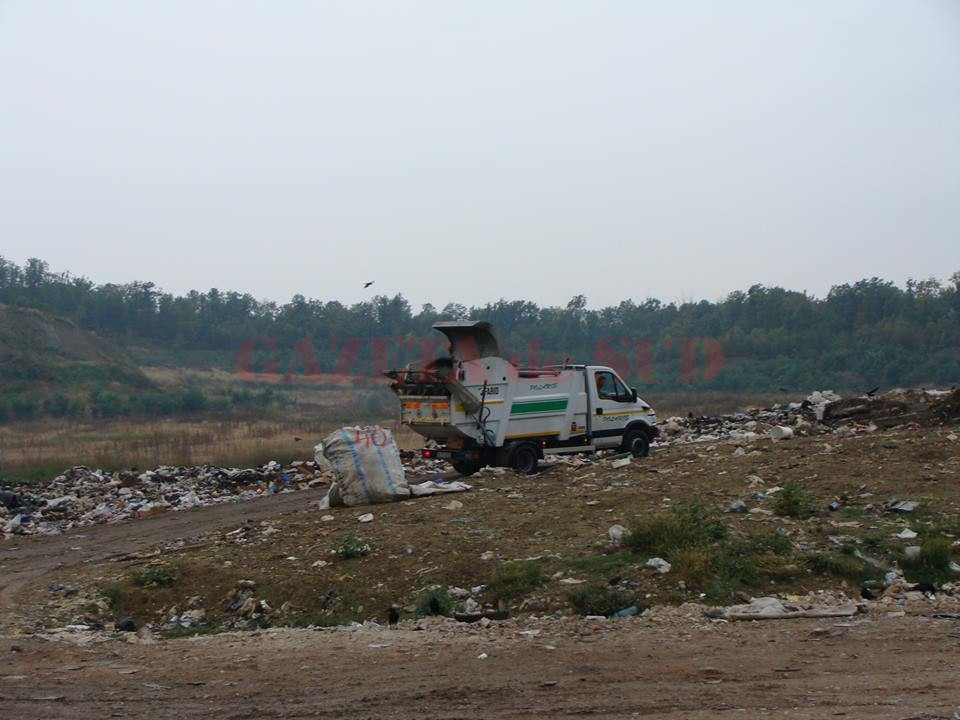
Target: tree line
<point>871,332</point>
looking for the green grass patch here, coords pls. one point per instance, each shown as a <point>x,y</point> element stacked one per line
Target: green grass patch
<point>155,576</point>
<point>689,524</point>
<point>600,599</point>
<point>794,501</point>
<point>840,565</point>
<point>114,597</point>
<point>512,580</point>
<point>932,565</point>
<point>601,564</point>
<point>434,600</point>
<point>722,568</point>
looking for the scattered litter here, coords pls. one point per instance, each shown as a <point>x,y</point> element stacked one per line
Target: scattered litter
<point>781,432</point>
<point>617,533</point>
<point>365,518</point>
<point>770,608</point>
<point>659,564</point>
<point>901,506</point>
<point>83,496</point>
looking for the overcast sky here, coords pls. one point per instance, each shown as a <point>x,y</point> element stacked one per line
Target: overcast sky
<point>467,151</point>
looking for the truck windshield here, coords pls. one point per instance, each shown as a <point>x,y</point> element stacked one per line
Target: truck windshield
<point>609,387</point>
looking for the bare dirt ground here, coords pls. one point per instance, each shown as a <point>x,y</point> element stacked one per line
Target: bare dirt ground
<point>546,662</point>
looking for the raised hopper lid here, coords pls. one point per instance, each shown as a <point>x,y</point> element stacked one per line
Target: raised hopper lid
<point>471,339</point>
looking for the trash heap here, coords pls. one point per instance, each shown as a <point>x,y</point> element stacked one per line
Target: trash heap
<point>821,413</point>
<point>83,496</point>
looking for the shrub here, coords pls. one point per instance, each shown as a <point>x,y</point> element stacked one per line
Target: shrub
<point>114,597</point>
<point>721,568</point>
<point>106,404</point>
<point>155,576</point>
<point>515,579</point>
<point>599,600</point>
<point>836,565</point>
<point>932,565</point>
<point>434,600</point>
<point>686,525</point>
<point>60,405</point>
<point>794,501</point>
<point>23,408</point>
<point>192,401</point>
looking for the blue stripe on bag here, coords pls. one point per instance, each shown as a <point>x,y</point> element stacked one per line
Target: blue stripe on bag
<point>383,464</point>
<point>356,464</point>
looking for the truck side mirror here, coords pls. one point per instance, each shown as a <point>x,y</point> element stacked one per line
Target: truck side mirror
<point>633,393</point>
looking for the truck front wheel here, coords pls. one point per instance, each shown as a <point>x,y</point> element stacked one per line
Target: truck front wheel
<point>524,459</point>
<point>637,443</point>
<point>466,467</point>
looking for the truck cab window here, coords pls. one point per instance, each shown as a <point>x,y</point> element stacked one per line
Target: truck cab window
<point>606,385</point>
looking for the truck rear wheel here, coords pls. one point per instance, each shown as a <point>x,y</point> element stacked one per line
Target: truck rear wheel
<point>637,443</point>
<point>466,467</point>
<point>524,459</point>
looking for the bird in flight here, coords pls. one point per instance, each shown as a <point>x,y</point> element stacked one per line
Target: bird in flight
<point>366,285</point>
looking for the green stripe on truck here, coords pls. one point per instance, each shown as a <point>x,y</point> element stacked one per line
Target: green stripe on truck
<point>538,406</point>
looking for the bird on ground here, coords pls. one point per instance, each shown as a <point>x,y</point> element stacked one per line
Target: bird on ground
<point>297,439</point>
<point>366,285</point>
<point>393,616</point>
<point>434,606</point>
<point>871,393</point>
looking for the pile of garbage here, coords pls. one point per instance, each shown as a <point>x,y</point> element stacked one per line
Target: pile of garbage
<point>823,412</point>
<point>83,496</point>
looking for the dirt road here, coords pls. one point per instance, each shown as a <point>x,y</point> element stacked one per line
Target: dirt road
<point>661,665</point>
<point>26,561</point>
<point>878,668</point>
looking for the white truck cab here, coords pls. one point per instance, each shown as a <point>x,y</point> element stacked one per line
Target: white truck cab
<point>482,410</point>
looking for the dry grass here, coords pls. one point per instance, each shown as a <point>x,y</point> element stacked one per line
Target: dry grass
<point>41,450</point>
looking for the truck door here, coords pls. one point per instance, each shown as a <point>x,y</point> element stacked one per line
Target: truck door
<point>609,398</point>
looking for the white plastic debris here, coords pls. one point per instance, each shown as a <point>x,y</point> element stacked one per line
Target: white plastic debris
<point>659,564</point>
<point>906,534</point>
<point>616,534</point>
<point>781,432</point>
<point>365,518</point>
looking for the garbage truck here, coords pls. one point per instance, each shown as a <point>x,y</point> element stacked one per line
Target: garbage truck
<point>482,410</point>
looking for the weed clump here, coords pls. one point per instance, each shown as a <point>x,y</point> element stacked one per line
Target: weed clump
<point>686,525</point>
<point>600,600</point>
<point>434,600</point>
<point>719,569</point>
<point>114,597</point>
<point>155,576</point>
<point>350,547</point>
<point>836,565</point>
<point>515,579</point>
<point>931,565</point>
<point>794,501</point>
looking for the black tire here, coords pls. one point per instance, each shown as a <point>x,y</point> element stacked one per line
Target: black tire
<point>524,459</point>
<point>637,443</point>
<point>466,467</point>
